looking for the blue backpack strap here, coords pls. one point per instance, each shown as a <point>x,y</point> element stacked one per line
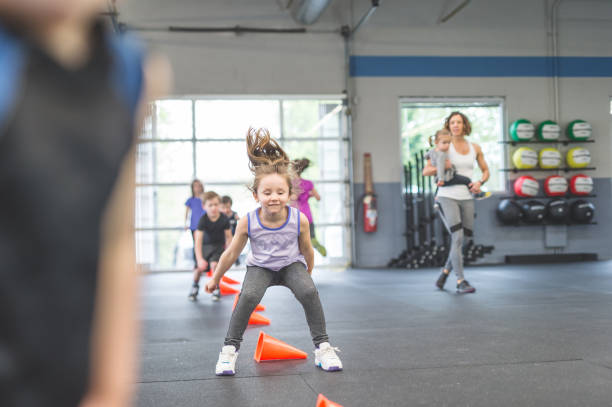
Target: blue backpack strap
<point>128,73</point>
<point>12,57</point>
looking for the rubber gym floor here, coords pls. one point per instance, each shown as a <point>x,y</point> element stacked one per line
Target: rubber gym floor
<point>536,335</point>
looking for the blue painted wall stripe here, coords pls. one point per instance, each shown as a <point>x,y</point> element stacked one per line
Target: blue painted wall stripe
<point>512,66</point>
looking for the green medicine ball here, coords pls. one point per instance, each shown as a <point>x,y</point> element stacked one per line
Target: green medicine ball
<point>548,131</point>
<point>525,158</point>
<point>579,130</point>
<point>578,157</point>
<point>550,158</point>
<point>522,130</point>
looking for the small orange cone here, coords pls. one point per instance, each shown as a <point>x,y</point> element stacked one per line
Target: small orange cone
<point>323,401</point>
<point>269,348</point>
<point>259,307</point>
<point>209,273</point>
<point>228,280</point>
<point>257,319</point>
<point>226,289</point>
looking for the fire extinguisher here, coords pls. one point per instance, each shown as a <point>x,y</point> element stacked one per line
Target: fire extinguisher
<point>370,211</point>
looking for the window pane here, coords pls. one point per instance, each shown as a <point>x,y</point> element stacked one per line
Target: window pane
<point>333,238</point>
<point>145,165</point>
<point>161,206</point>
<point>173,119</point>
<point>312,118</point>
<point>232,118</point>
<point>222,161</point>
<point>164,250</point>
<point>331,208</point>
<point>173,162</point>
<point>422,120</point>
<point>326,158</point>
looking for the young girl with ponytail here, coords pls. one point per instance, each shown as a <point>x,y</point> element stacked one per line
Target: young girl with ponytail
<point>281,253</point>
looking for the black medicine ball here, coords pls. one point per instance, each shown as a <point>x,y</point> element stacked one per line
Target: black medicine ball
<point>533,211</point>
<point>509,212</point>
<point>557,210</point>
<point>582,211</point>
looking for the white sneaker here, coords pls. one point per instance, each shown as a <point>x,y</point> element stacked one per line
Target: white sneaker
<point>326,358</point>
<point>216,295</point>
<point>226,365</point>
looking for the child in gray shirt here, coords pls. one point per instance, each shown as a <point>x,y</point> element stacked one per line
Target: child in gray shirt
<point>438,156</point>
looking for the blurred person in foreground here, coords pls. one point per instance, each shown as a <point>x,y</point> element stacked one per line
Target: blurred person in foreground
<point>71,95</point>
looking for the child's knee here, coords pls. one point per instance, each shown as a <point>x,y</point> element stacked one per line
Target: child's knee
<point>307,293</point>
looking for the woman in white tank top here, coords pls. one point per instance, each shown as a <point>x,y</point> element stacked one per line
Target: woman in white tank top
<point>456,203</point>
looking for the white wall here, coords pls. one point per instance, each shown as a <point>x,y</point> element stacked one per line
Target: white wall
<point>225,63</point>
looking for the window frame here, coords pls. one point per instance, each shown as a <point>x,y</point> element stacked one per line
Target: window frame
<point>345,159</point>
<point>459,102</point>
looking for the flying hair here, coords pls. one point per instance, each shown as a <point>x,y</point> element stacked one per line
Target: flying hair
<point>267,157</point>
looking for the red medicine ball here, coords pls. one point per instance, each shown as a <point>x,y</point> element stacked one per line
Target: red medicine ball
<point>581,184</point>
<point>555,185</point>
<point>526,186</point>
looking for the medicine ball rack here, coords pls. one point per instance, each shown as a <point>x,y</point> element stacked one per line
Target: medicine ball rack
<point>568,196</point>
<point>564,142</point>
<point>566,169</point>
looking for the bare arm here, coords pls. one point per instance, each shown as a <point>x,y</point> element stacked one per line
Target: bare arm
<point>228,238</point>
<point>315,194</point>
<point>202,264</point>
<point>482,164</point>
<point>186,216</point>
<point>429,169</point>
<point>305,243</point>
<point>230,255</point>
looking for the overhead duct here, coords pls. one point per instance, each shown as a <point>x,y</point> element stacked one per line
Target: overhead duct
<point>307,12</point>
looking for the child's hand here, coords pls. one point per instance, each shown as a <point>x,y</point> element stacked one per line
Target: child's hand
<point>202,265</point>
<point>211,286</point>
<point>440,183</point>
<point>448,164</point>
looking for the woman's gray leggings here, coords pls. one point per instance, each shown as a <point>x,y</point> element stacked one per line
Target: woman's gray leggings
<point>458,217</point>
<point>256,282</point>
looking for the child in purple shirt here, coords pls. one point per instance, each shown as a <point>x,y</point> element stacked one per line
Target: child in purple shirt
<point>281,254</point>
<point>306,190</point>
<point>194,205</point>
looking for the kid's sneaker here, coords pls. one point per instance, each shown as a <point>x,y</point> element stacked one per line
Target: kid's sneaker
<point>193,295</point>
<point>216,295</point>
<point>226,365</point>
<point>326,358</point>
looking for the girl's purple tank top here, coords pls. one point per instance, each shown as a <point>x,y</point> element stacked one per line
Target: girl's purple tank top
<point>274,248</point>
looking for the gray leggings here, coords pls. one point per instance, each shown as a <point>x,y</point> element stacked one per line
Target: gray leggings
<point>256,282</point>
<point>458,217</point>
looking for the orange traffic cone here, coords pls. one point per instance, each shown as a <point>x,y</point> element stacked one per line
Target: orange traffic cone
<point>209,273</point>
<point>269,348</point>
<point>323,401</point>
<point>228,280</point>
<point>226,289</point>
<point>259,307</point>
<point>257,319</point>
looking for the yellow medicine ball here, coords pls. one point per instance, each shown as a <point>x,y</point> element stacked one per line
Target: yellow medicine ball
<point>525,158</point>
<point>578,157</point>
<point>550,158</point>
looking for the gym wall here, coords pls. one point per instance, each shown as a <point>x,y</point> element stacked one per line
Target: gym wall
<point>305,64</point>
<point>513,29</point>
